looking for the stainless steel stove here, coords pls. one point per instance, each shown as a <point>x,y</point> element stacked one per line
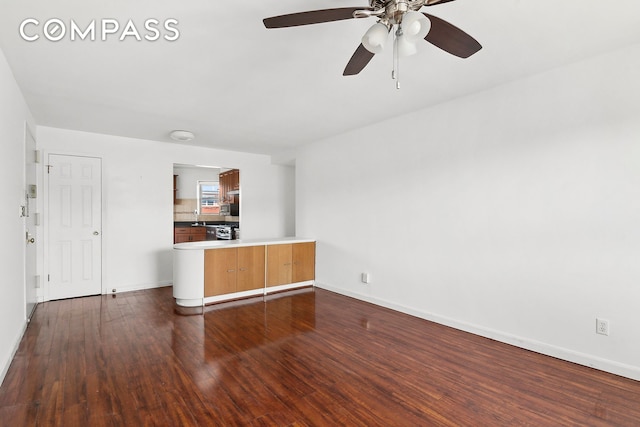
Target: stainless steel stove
<point>226,231</point>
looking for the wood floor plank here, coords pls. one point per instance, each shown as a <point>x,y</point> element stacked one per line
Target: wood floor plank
<point>303,358</point>
<point>19,415</point>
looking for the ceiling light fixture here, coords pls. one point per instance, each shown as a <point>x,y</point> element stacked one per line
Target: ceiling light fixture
<point>415,26</point>
<point>375,37</point>
<point>182,135</point>
<point>402,17</point>
<point>405,46</point>
<point>409,27</point>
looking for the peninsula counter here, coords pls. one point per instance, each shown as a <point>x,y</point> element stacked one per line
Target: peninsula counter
<point>212,271</point>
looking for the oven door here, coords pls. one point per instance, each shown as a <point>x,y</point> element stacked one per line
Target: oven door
<point>211,232</point>
<point>223,233</point>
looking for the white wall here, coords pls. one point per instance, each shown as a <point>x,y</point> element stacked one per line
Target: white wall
<point>188,177</point>
<point>138,199</point>
<point>13,116</point>
<point>513,213</point>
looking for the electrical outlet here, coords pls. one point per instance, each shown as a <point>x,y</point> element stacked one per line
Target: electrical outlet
<point>602,326</point>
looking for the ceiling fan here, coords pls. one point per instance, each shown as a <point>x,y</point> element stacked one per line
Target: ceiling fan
<point>402,16</point>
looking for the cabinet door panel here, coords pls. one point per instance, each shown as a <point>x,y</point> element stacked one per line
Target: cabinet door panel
<point>304,262</point>
<point>198,234</point>
<point>180,238</point>
<point>250,268</point>
<point>220,271</point>
<point>279,264</point>
<point>236,179</point>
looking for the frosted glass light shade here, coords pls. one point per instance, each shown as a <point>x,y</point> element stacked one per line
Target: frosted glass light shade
<point>375,38</point>
<point>415,26</point>
<point>406,47</point>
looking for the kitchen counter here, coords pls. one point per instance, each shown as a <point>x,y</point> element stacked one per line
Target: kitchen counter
<point>212,271</point>
<point>178,224</point>
<point>214,244</point>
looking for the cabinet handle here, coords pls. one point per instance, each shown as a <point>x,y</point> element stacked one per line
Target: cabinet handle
<point>243,269</point>
<point>287,263</point>
<point>230,271</point>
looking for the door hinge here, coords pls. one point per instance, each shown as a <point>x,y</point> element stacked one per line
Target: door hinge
<point>48,277</point>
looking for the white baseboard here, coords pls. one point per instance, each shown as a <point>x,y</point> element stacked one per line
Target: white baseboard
<point>138,287</point>
<point>280,288</point>
<point>613,367</point>
<point>14,350</point>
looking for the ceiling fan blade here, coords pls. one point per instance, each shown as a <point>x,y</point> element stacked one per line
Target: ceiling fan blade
<point>358,61</point>
<point>450,38</point>
<point>435,2</point>
<point>311,17</point>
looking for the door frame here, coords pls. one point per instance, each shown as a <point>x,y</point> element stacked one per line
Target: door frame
<point>45,222</point>
<point>32,206</point>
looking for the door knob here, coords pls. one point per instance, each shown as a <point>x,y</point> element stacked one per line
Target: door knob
<point>96,233</point>
<point>32,240</point>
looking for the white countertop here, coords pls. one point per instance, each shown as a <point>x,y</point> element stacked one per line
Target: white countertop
<point>218,244</point>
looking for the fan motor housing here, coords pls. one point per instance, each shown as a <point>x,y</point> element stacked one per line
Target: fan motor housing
<point>394,10</point>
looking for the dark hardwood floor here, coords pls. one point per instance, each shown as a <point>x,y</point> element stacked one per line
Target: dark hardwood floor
<point>308,358</point>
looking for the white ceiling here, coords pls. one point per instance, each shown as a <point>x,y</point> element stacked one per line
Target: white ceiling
<point>239,86</point>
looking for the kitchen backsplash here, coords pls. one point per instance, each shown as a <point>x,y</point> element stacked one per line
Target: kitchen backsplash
<point>183,212</point>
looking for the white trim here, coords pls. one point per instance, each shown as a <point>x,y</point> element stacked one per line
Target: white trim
<point>45,222</point>
<point>245,294</point>
<point>138,287</point>
<point>280,288</point>
<point>234,295</point>
<point>28,132</point>
<point>584,359</point>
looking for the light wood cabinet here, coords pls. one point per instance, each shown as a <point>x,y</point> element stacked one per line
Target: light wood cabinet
<point>290,263</point>
<point>251,267</point>
<point>304,262</point>
<point>220,271</point>
<point>279,264</point>
<point>232,270</point>
<point>206,273</point>
<point>189,234</point>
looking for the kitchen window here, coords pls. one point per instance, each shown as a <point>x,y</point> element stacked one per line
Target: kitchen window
<point>208,197</point>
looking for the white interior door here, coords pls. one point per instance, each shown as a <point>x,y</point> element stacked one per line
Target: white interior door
<point>75,226</point>
<point>31,277</point>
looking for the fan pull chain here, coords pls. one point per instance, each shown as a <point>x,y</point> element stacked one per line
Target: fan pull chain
<point>395,74</point>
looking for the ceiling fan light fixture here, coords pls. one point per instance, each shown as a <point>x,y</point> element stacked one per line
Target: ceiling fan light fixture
<point>182,135</point>
<point>375,38</point>
<point>390,14</point>
<point>415,26</point>
<point>405,46</point>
